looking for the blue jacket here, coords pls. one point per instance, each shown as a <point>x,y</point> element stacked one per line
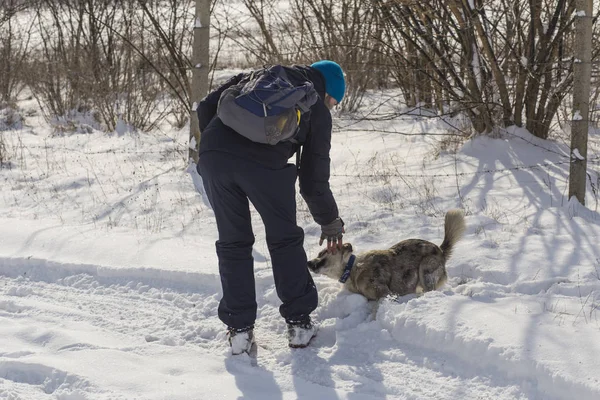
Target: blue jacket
<point>314,135</point>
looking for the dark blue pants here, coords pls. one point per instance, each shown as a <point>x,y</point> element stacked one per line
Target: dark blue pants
<point>230,182</point>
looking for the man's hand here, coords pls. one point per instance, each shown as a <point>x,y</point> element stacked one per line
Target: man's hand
<point>333,232</point>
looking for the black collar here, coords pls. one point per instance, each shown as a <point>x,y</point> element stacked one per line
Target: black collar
<point>348,268</point>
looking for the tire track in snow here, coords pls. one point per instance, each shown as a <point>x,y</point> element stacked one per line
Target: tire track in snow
<point>50,380</point>
<point>351,352</point>
<point>427,319</point>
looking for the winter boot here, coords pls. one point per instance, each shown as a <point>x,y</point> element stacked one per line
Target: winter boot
<point>240,340</point>
<point>300,332</point>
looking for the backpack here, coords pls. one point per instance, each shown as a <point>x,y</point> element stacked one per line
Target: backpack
<point>266,107</point>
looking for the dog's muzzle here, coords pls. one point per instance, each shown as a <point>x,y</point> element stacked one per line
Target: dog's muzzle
<point>312,265</point>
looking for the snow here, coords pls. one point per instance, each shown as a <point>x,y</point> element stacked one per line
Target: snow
<point>193,143</point>
<point>109,281</point>
<point>577,116</point>
<point>576,154</point>
<point>123,128</point>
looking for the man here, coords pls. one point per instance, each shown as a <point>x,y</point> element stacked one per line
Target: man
<point>236,170</point>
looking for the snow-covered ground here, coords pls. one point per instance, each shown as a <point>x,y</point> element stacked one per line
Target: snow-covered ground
<point>109,286</point>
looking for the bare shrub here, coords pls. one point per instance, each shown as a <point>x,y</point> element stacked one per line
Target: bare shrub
<point>349,32</point>
<point>14,49</point>
<point>122,62</point>
<point>304,31</point>
<point>168,51</point>
<point>502,63</point>
<point>58,74</point>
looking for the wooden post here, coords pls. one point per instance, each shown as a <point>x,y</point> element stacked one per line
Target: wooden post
<point>200,61</point>
<point>582,69</point>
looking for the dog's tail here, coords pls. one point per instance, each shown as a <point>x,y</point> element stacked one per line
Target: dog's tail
<point>454,227</point>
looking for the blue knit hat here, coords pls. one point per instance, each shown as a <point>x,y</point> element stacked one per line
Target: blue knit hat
<point>335,84</point>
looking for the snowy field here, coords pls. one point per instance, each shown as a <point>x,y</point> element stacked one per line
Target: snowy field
<point>109,286</point>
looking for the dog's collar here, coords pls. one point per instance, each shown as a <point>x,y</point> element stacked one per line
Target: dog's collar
<point>348,268</point>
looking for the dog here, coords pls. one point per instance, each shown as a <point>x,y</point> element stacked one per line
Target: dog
<point>413,266</point>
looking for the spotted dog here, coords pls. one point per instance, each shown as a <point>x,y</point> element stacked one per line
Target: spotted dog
<point>411,266</point>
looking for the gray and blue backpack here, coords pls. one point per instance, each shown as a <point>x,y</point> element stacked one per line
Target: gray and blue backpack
<point>266,107</point>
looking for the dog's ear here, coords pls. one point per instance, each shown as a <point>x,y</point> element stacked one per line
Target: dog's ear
<point>347,247</point>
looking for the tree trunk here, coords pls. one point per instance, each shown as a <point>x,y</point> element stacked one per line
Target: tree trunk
<point>581,99</point>
<point>201,66</point>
